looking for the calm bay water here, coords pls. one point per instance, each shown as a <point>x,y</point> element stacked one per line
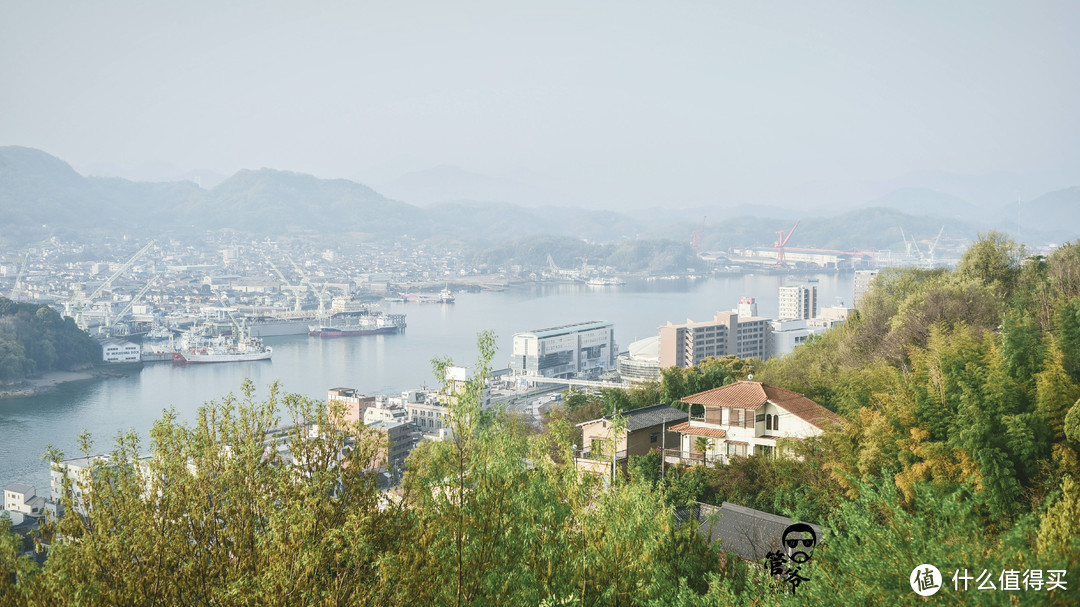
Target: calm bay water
<point>372,364</point>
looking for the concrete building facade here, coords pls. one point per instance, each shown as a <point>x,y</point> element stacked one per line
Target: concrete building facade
<point>862,281</point>
<point>567,351</point>
<point>798,302</point>
<point>728,333</point>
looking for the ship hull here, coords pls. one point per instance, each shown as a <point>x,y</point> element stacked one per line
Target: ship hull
<point>335,332</point>
<point>197,358</point>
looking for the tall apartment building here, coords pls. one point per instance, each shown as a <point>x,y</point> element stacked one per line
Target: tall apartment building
<point>728,333</point>
<point>863,278</point>
<point>798,301</point>
<point>586,348</point>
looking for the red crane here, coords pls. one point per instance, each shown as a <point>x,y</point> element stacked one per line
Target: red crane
<point>781,242</point>
<point>695,238</point>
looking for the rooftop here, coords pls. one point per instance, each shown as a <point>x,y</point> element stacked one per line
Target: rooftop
<point>571,328</point>
<point>747,532</point>
<point>752,395</point>
<point>20,488</point>
<point>646,417</point>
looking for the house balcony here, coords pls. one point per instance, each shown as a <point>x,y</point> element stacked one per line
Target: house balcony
<point>693,458</point>
<point>590,461</point>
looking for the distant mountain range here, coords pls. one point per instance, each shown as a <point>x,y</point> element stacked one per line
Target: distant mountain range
<point>42,196</point>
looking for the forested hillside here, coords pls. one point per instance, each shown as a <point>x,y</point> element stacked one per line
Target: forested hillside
<point>36,339</point>
<point>959,392</point>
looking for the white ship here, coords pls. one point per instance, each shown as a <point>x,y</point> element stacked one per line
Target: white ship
<point>196,348</point>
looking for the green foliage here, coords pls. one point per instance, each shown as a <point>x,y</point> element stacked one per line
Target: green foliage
<point>678,383</point>
<point>994,260</point>
<point>36,339</point>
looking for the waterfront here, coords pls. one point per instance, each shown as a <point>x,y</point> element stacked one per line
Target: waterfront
<point>372,364</point>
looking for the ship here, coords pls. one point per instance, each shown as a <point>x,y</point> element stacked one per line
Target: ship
<point>445,297</point>
<point>158,333</point>
<point>367,324</point>
<point>197,348</point>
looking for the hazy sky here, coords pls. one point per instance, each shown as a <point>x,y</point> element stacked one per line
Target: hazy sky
<point>619,102</point>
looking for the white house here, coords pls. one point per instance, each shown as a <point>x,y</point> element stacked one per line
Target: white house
<point>745,418</point>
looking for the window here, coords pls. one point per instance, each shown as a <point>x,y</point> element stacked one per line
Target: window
<point>776,422</point>
<point>654,437</point>
<point>768,422</point>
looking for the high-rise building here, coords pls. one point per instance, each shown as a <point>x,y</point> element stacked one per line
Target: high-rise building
<point>798,301</point>
<point>863,278</point>
<point>728,333</point>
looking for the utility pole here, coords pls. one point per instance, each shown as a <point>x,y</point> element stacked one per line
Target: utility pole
<point>663,448</point>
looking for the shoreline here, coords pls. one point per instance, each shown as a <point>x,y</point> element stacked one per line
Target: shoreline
<point>49,382</point>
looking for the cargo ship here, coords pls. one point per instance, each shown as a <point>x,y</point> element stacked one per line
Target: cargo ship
<point>367,324</point>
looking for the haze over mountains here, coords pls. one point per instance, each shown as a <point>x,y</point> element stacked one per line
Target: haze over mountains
<point>41,196</point>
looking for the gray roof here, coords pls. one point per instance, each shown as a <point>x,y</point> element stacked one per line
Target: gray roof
<point>563,329</point>
<point>20,488</point>
<point>653,416</point>
<point>748,533</point>
<point>645,417</point>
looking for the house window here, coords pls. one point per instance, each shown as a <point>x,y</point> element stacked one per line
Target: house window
<point>768,422</point>
<point>654,437</point>
<point>776,422</point>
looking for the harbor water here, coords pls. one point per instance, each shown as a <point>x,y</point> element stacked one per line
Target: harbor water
<point>375,364</point>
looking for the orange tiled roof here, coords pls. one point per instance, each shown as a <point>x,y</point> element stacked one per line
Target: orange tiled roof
<point>751,395</point>
<point>686,428</point>
<point>739,395</point>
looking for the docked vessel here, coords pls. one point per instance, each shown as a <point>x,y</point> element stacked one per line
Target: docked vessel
<point>367,324</point>
<point>158,333</point>
<point>445,296</point>
<point>196,349</point>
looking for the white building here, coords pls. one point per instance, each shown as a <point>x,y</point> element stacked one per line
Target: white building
<point>746,418</point>
<point>570,350</point>
<point>22,498</point>
<point>862,281</point>
<point>642,362</point>
<point>798,301</point>
<point>120,351</point>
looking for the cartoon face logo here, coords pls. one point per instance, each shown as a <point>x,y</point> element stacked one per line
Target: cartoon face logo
<point>799,541</point>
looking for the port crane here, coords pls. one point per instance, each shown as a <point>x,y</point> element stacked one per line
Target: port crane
<point>296,289</point>
<point>926,259</point>
<point>781,242</point>
<point>109,326</point>
<point>74,306</point>
<point>695,238</point>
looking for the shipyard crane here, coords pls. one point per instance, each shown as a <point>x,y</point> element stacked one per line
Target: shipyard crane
<point>19,276</point>
<point>296,289</point>
<point>232,317</point>
<point>930,252</point>
<point>303,277</point>
<point>781,242</point>
<point>907,245</point>
<point>110,326</point>
<point>74,306</point>
<point>695,237</point>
